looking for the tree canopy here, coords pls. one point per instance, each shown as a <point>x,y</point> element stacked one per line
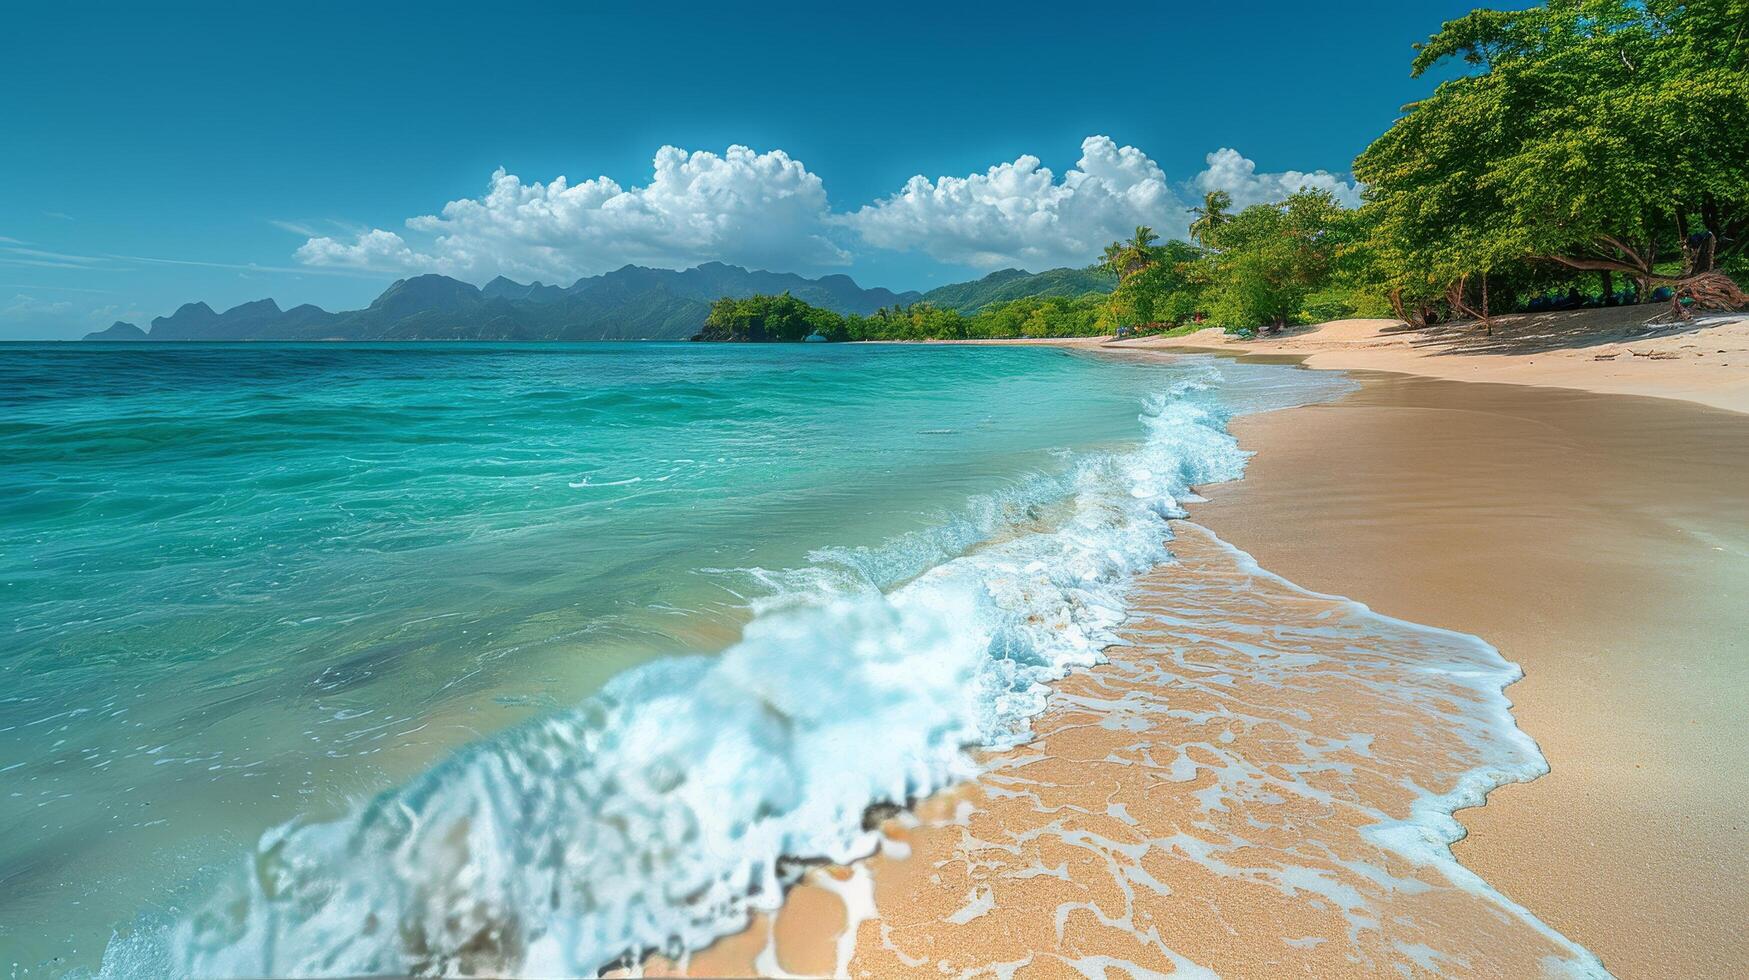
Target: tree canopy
<point>1596,135</point>
<point>769,318</point>
<point>1269,258</point>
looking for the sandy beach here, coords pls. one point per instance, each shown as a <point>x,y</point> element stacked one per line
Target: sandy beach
<point>1597,540</point>
<point>1611,351</point>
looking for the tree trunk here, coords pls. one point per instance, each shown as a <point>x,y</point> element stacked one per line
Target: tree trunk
<point>1456,298</point>
<point>1608,282</point>
<point>1487,321</point>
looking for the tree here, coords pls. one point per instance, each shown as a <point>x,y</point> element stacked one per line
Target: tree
<point>1210,217</point>
<point>770,318</point>
<point>1168,288</point>
<point>1112,260</point>
<point>1125,259</point>
<point>1272,256</point>
<point>1599,136</point>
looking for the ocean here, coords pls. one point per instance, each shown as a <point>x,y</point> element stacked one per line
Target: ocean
<point>354,659</point>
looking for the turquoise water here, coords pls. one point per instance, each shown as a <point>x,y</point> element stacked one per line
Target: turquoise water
<point>247,584</point>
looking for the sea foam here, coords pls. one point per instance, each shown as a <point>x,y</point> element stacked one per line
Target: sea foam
<point>658,814</point>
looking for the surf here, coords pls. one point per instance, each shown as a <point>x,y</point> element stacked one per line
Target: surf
<point>657,815</point>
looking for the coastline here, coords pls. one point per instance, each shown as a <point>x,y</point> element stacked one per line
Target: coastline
<point>1567,491</point>
<point>1607,351</point>
<point>1589,536</point>
<point>1597,540</point>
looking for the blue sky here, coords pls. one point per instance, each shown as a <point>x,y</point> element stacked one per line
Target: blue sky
<point>157,154</point>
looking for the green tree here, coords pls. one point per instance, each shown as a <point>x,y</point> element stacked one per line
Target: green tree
<point>1599,136</point>
<point>1211,216</point>
<point>1126,259</point>
<point>1167,289</point>
<point>759,319</point>
<point>1271,257</point>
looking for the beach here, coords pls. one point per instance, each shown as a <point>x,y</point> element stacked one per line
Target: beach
<point>1152,662</point>
<point>1608,351</point>
<point>1598,541</point>
<point>607,525</point>
<point>1595,538</point>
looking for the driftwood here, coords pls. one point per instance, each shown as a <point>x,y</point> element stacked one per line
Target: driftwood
<point>1710,290</point>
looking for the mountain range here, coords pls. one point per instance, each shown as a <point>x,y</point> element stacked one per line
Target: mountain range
<point>632,303</point>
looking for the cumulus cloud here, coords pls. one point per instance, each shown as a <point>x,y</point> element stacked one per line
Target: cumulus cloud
<point>1020,214</point>
<point>767,210</point>
<point>1229,171</point>
<point>759,209</point>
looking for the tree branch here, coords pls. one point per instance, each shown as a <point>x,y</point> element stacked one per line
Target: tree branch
<point>1593,265</point>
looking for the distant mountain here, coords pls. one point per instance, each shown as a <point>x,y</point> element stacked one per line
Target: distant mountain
<point>118,331</point>
<point>633,303</point>
<point>1012,284</point>
<point>714,280</point>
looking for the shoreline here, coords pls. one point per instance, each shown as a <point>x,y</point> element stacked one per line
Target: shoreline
<point>1630,847</point>
<point>1597,540</point>
<point>1607,351</point>
<point>1200,800</point>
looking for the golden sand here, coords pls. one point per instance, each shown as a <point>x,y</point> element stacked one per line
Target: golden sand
<point>1607,350</point>
<point>1602,543</point>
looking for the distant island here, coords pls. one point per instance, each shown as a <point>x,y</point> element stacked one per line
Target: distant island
<point>632,303</point>
<point>119,330</point>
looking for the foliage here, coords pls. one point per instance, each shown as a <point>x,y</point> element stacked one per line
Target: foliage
<point>1594,135</point>
<point>1589,148</point>
<point>1210,217</point>
<point>1032,316</point>
<point>784,318</point>
<point>1125,259</point>
<point>769,318</point>
<point>1270,257</point>
<point>1164,286</point>
<point>1011,284</point>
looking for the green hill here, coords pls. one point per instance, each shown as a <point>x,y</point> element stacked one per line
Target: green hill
<point>1012,284</point>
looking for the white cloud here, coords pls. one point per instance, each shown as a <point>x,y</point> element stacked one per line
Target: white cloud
<point>23,306</point>
<point>767,210</point>
<point>760,209</point>
<point>1231,172</point>
<point>374,249</point>
<point>1019,214</point>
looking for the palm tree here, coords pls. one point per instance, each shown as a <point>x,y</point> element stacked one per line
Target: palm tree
<point>1128,258</point>
<point>1141,245</point>
<point>1211,216</point>
<point>1112,260</point>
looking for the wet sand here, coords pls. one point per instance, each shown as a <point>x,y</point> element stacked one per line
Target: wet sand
<point>1601,542</point>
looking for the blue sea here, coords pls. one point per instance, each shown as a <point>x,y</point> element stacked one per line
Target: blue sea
<point>346,659</point>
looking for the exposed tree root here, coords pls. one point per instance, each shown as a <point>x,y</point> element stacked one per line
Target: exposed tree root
<point>1711,290</point>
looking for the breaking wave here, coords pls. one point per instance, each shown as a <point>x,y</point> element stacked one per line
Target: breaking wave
<point>656,815</point>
